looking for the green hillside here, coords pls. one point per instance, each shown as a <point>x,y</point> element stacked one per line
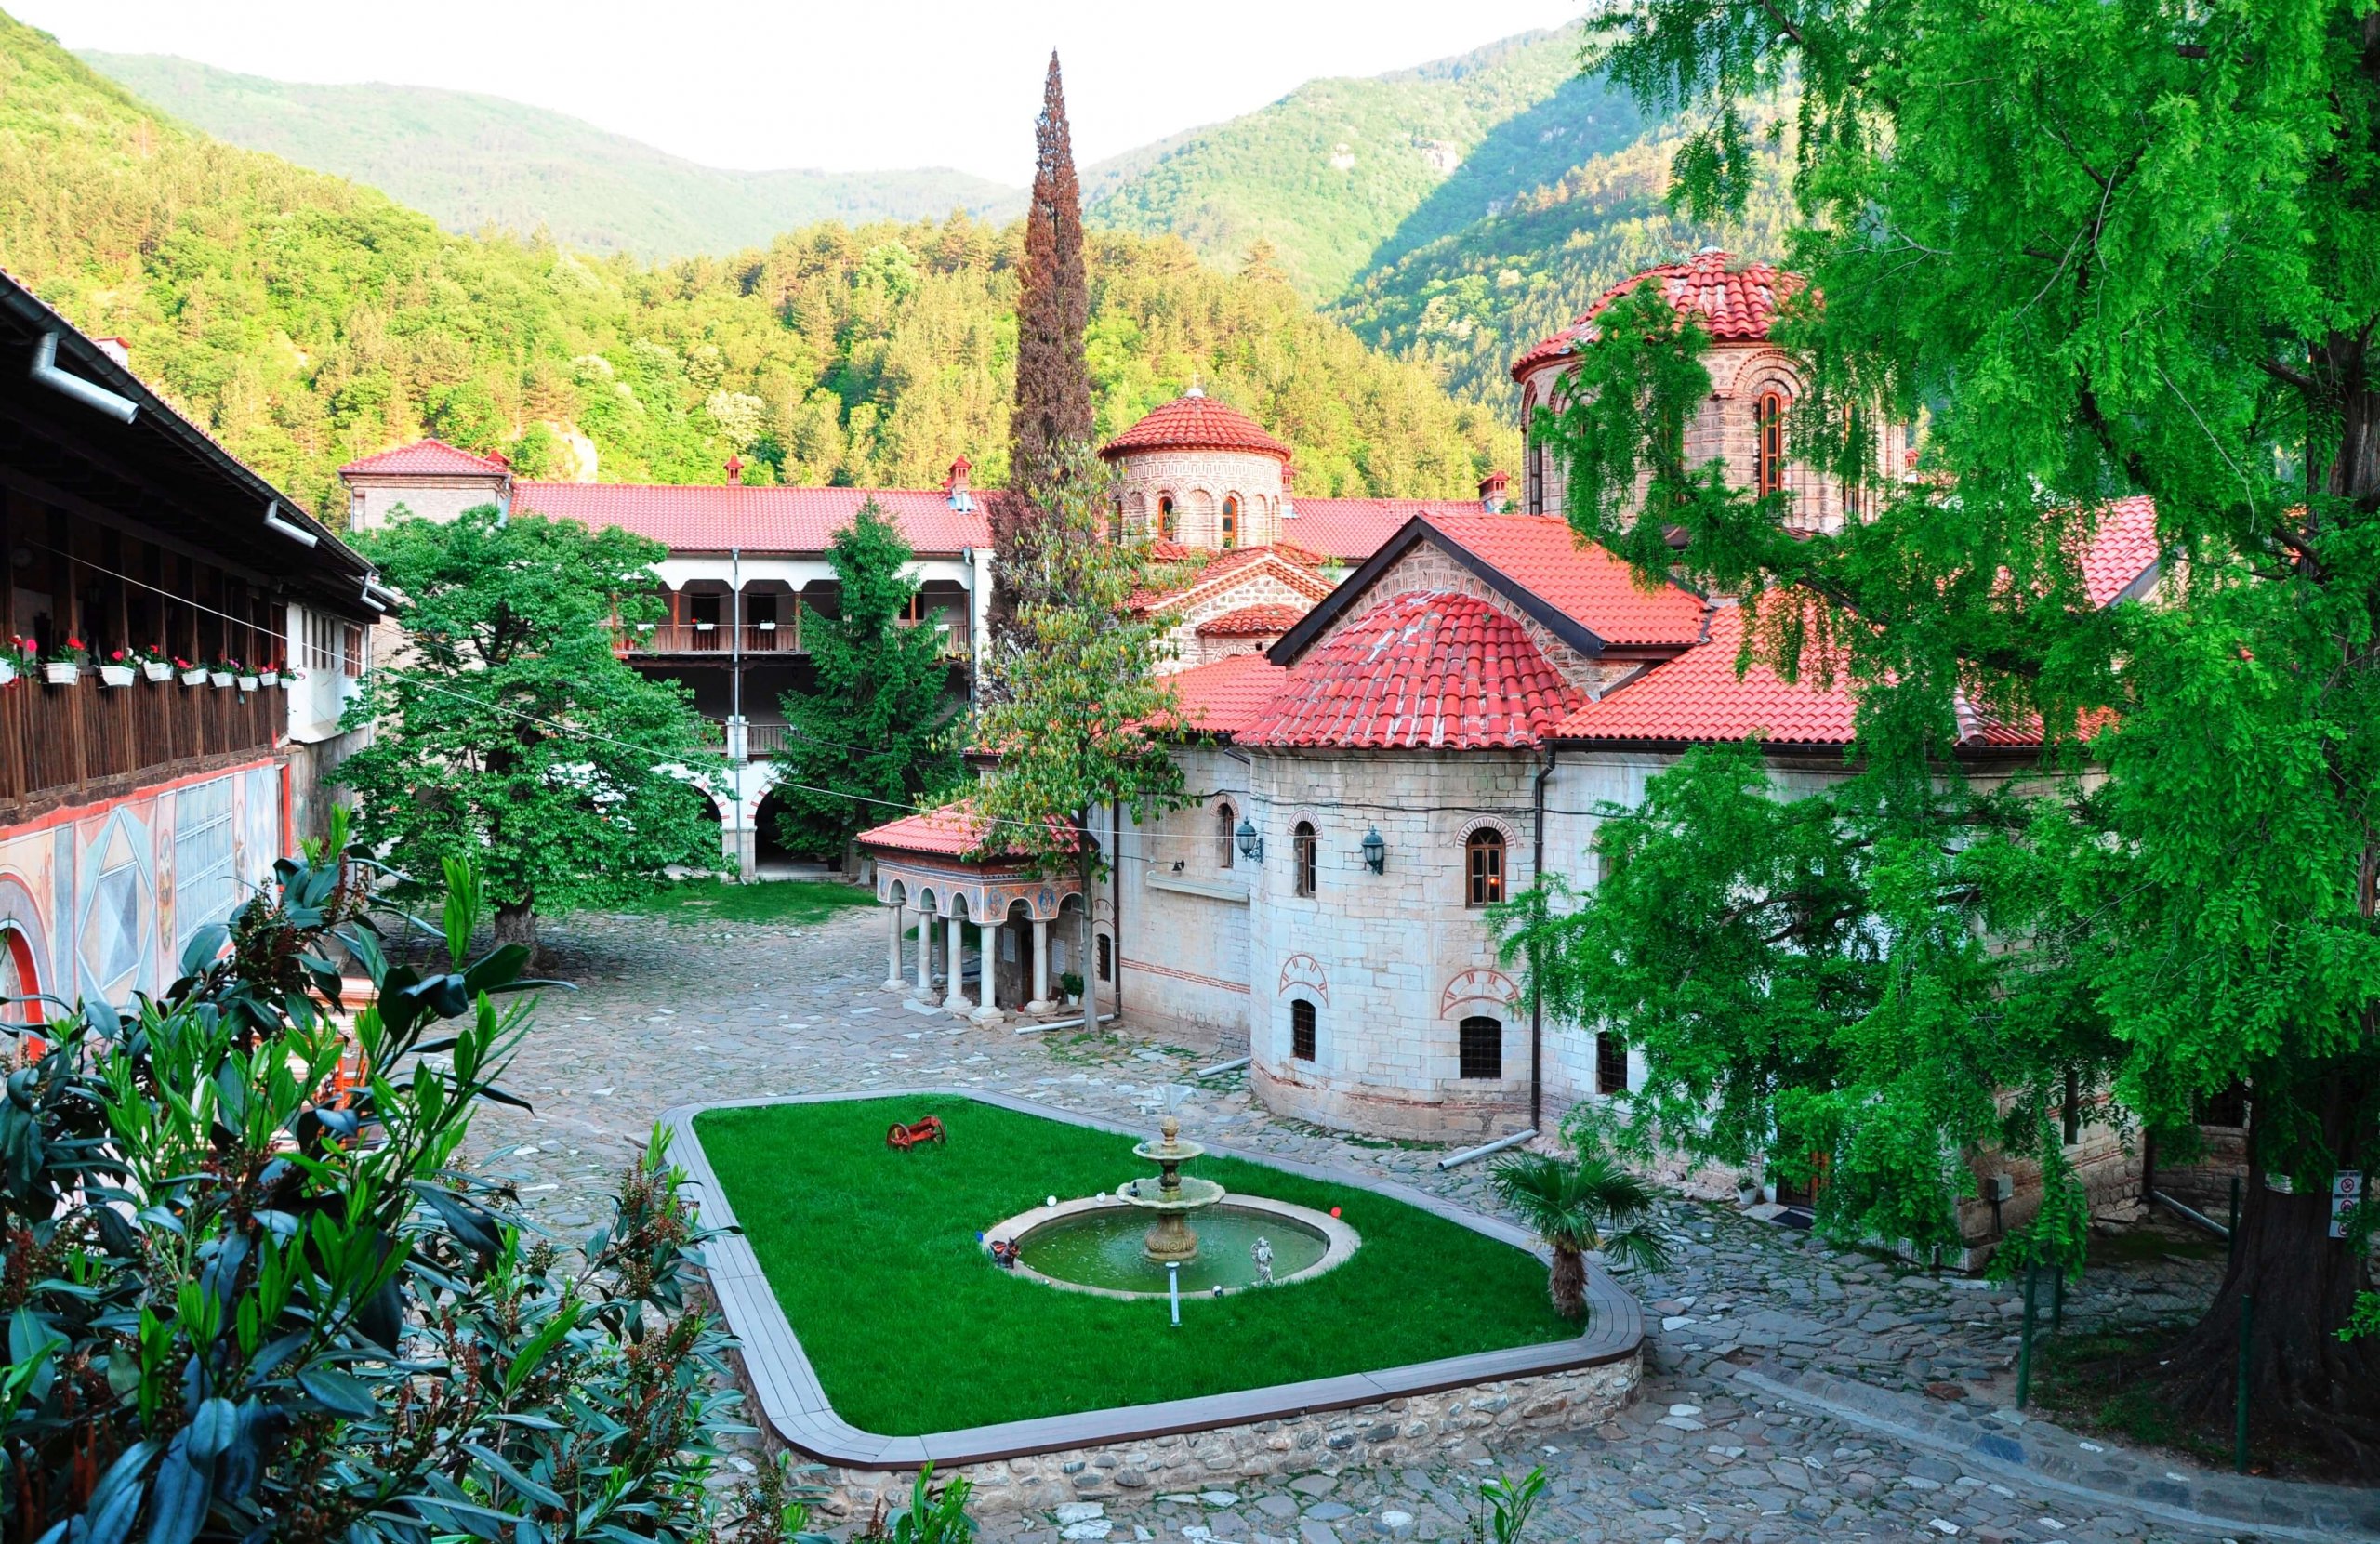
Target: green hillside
<point>307,320</point>
<point>1343,175</point>
<point>471,162</point>
<point>1469,301</point>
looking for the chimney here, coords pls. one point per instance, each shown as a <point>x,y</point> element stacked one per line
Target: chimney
<point>1491,493</point>
<point>117,348</point>
<point>961,499</point>
<point>734,470</point>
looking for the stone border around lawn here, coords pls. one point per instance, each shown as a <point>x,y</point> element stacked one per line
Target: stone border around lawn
<point>797,1409</point>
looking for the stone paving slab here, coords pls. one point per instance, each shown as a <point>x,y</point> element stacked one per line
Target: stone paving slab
<point>2009,1442</point>
<point>669,1015</point>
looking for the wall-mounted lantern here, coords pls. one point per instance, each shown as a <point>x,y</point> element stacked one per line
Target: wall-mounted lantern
<point>1252,846</point>
<point>1375,852</point>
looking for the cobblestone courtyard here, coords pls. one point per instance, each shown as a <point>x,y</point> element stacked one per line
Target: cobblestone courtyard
<point>669,1013</point>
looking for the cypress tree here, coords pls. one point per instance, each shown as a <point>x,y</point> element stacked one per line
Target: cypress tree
<point>1052,411</point>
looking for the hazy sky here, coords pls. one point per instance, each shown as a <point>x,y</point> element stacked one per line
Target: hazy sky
<point>848,86</point>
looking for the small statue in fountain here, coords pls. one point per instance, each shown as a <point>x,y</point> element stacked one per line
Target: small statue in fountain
<point>1262,1252</point>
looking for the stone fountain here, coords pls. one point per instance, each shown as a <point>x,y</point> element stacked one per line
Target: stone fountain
<point>1172,1198</point>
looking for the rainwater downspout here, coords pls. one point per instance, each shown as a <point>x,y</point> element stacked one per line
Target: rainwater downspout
<point>1115,894</point>
<point>45,371</point>
<point>1537,990</point>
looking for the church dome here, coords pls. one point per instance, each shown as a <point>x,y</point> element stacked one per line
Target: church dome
<point>1736,302</point>
<point>1195,421</point>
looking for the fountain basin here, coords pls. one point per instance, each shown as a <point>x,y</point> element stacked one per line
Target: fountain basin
<point>1095,1245</point>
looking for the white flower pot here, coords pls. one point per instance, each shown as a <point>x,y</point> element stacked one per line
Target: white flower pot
<point>247,683</point>
<point>117,675</point>
<point>7,671</point>
<point>193,678</point>
<point>156,669</point>
<point>270,678</point>
<point>219,679</point>
<point>61,673</point>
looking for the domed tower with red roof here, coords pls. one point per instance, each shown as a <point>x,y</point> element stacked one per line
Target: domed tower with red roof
<point>1201,473</point>
<point>1754,385</point>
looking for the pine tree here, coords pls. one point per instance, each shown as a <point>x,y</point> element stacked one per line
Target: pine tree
<point>868,732</point>
<point>1052,374</point>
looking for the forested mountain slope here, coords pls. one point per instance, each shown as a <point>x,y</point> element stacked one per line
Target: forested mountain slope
<point>307,320</point>
<point>471,162</point>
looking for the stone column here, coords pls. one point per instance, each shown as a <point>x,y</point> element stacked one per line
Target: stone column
<point>892,948</point>
<point>987,1010</point>
<point>955,1001</point>
<point>925,957</point>
<point>1040,1003</point>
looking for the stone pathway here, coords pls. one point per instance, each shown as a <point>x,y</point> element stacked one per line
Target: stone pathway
<point>670,1014</point>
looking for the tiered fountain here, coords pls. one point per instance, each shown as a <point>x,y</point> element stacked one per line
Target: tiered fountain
<point>1216,1241</point>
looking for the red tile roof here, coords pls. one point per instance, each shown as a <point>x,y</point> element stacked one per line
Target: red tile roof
<point>1293,567</point>
<point>1353,529</point>
<point>1265,621</point>
<point>2121,548</point>
<point>1734,302</point>
<point>428,458</point>
<point>713,518</point>
<point>1195,421</point>
<point>1423,669</point>
<point>953,831</point>
<point>1226,695</point>
<point>1543,555</point>
<point>1698,698</point>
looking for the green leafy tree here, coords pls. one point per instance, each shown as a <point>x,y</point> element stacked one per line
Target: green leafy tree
<point>1575,1205</point>
<point>508,733</point>
<point>873,730</point>
<point>2108,250</point>
<point>252,1294</point>
<point>1073,693</point>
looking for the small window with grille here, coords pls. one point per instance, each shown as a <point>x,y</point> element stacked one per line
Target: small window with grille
<point>1302,1030</point>
<point>1482,1047</point>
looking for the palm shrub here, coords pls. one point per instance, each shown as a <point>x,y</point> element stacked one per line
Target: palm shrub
<point>250,1295</point>
<point>1575,1204</point>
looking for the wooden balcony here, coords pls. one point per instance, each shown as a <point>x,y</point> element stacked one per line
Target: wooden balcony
<point>61,744</point>
<point>717,641</point>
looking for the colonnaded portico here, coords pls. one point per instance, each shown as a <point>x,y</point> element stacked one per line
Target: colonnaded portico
<point>936,868</point>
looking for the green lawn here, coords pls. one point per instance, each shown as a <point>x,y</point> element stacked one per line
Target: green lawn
<point>873,1256</point>
<point>794,901</point>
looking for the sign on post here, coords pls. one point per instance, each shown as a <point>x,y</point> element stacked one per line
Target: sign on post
<point>2346,1189</point>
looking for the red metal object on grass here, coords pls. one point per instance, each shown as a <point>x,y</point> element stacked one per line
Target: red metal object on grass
<point>901,1138</point>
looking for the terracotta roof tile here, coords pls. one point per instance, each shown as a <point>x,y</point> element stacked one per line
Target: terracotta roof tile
<point>1195,421</point>
<point>713,518</point>
<point>953,831</point>
<point>428,458</point>
<point>1736,302</point>
<point>1265,621</point>
<point>2121,548</point>
<point>1421,669</point>
<point>1226,695</point>
<point>1350,530</point>
<point>1298,569</point>
<point>1543,555</point>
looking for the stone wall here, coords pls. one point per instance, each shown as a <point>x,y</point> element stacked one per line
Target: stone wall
<point>1422,1429</point>
<point>1185,929</point>
<point>1198,481</point>
<point>372,501</point>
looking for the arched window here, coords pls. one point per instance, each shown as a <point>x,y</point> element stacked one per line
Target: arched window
<point>1231,520</point>
<point>18,978</point>
<point>1302,1030</point>
<point>1107,952</point>
<point>1484,876</point>
<point>1226,833</point>
<point>1482,1048</point>
<point>1611,1065</point>
<point>1167,526</point>
<point>1302,852</point>
<point>1768,460</point>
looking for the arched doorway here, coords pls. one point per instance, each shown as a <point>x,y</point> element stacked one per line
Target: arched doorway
<point>771,853</point>
<point>18,978</point>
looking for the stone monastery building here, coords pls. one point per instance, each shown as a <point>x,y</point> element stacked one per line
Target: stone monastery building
<point>1394,714</point>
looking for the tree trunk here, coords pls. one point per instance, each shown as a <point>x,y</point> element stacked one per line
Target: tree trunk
<point>2306,1388</point>
<point>516,922</point>
<point>1566,1283</point>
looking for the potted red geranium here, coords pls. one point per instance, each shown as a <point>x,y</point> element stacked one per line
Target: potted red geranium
<point>192,672</point>
<point>16,656</point>
<point>219,673</point>
<point>270,674</point>
<point>119,668</point>
<point>64,665</point>
<point>155,665</point>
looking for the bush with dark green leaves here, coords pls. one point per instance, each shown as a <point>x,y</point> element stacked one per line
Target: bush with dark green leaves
<point>251,1295</point>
